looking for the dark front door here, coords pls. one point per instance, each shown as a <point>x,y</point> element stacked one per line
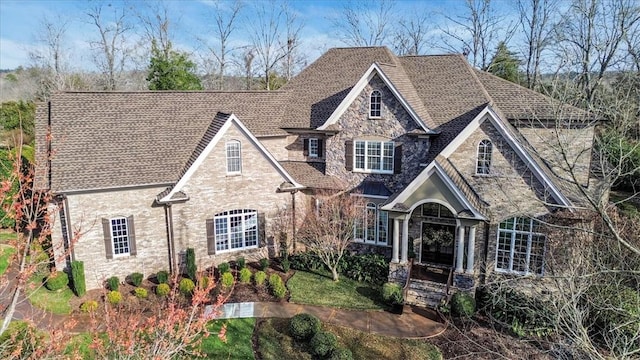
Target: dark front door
<point>437,244</point>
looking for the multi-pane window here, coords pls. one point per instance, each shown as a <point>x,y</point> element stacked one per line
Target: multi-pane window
<point>484,157</point>
<point>375,104</point>
<point>120,236</point>
<point>372,227</point>
<point>236,229</point>
<point>234,159</point>
<point>313,147</point>
<point>521,246</point>
<point>374,156</point>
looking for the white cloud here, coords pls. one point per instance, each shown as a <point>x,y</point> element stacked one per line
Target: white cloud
<point>13,54</point>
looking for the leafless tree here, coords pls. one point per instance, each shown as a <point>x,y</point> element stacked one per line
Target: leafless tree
<point>226,17</point>
<point>155,23</point>
<point>537,21</point>
<point>247,58</point>
<point>364,23</point>
<point>412,33</point>
<point>268,37</point>
<point>111,49</point>
<point>51,56</point>
<point>591,39</point>
<point>477,32</point>
<point>328,230</point>
<point>293,58</point>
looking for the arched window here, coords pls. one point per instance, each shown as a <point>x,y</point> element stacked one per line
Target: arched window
<point>521,246</point>
<point>372,227</point>
<point>484,157</point>
<point>375,104</point>
<point>234,160</point>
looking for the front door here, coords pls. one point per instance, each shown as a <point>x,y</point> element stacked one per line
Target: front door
<point>437,244</point>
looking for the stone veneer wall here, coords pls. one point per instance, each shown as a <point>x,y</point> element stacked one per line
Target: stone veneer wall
<point>86,213</point>
<point>212,191</point>
<point>394,124</point>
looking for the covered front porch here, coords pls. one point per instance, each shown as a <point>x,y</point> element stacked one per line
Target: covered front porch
<point>436,236</point>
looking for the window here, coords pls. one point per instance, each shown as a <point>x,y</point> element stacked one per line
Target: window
<point>236,229</point>
<point>234,161</point>
<point>520,247</point>
<point>374,156</point>
<point>120,237</point>
<point>484,157</point>
<point>372,228</point>
<point>313,147</point>
<point>375,104</point>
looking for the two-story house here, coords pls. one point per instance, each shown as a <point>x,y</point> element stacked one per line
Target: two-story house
<point>455,165</point>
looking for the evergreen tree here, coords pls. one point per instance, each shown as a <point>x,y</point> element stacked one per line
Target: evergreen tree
<point>505,64</point>
<point>171,70</point>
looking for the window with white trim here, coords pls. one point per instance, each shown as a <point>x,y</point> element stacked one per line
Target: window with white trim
<point>236,229</point>
<point>373,226</point>
<point>120,237</point>
<point>485,148</point>
<point>313,147</point>
<point>375,104</point>
<point>373,156</point>
<point>234,159</point>
<point>521,247</point>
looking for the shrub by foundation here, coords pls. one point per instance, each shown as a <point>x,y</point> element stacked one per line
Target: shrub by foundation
<point>57,280</point>
<point>140,293</point>
<point>77,278</point>
<point>136,279</point>
<point>304,326</point>
<point>260,277</point>
<point>114,297</point>
<point>245,276</point>
<point>224,268</point>
<point>163,290</point>
<point>463,304</point>
<point>186,286</point>
<point>227,280</point>
<point>89,306</point>
<point>162,277</point>
<point>191,264</point>
<point>113,283</point>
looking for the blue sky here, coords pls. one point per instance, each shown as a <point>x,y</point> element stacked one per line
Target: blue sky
<point>20,21</point>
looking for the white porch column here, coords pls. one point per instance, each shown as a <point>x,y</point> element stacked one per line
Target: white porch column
<point>396,241</point>
<point>405,240</point>
<point>471,247</point>
<point>460,249</point>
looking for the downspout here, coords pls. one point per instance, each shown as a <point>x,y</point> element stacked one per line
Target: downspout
<point>483,277</point>
<point>293,219</point>
<point>71,255</point>
<point>170,239</point>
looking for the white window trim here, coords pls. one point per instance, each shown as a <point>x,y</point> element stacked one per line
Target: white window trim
<point>113,238</point>
<point>228,215</point>
<point>483,157</point>
<point>513,233</point>
<point>365,226</point>
<point>371,104</point>
<point>226,148</point>
<point>366,157</point>
<point>316,149</point>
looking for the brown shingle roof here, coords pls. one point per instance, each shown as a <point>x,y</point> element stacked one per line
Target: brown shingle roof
<point>103,140</point>
<point>312,174</point>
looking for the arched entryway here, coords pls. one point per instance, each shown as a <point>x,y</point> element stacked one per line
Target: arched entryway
<point>437,234</point>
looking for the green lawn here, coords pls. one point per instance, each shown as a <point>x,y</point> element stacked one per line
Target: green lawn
<point>239,344</point>
<point>5,253</point>
<point>6,236</point>
<point>275,343</point>
<point>319,289</point>
<point>56,302</point>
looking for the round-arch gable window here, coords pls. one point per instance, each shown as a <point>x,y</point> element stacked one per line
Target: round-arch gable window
<point>485,147</point>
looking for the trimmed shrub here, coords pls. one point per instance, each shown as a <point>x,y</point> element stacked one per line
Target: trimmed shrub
<point>323,343</point>
<point>224,268</point>
<point>304,326</point>
<point>241,263</point>
<point>392,293</point>
<point>57,280</point>
<point>286,264</point>
<point>186,286</point>
<point>227,280</point>
<point>245,276</point>
<point>191,264</point>
<point>162,277</point>
<point>260,277</point>
<point>277,286</point>
<point>203,282</point>
<point>114,297</point>
<point>163,289</point>
<point>463,304</point>
<point>113,283</point>
<point>369,268</point>
<point>136,279</point>
<point>306,261</point>
<point>140,293</point>
<point>341,353</point>
<point>77,278</point>
<point>89,306</point>
<point>264,264</point>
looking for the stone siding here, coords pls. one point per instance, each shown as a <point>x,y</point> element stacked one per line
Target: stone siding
<point>86,214</point>
<point>212,191</point>
<point>393,126</point>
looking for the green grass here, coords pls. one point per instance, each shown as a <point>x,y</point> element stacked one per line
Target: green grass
<point>319,289</point>
<point>79,346</point>
<point>275,343</point>
<point>56,302</point>
<point>239,344</point>
<point>5,253</point>
<point>6,236</point>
